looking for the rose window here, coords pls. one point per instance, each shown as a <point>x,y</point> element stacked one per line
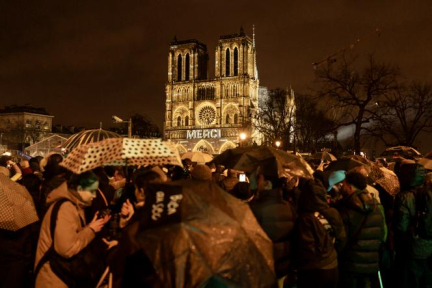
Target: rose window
<point>207,115</point>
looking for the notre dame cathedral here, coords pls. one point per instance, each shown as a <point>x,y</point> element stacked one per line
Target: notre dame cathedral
<point>210,114</point>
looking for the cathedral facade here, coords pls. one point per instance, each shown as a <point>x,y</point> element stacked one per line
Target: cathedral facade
<point>210,114</point>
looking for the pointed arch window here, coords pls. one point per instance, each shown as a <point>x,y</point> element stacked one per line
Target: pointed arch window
<point>179,121</point>
<point>179,67</point>
<point>187,121</point>
<point>187,67</point>
<point>235,61</point>
<point>235,119</point>
<point>227,121</point>
<point>227,62</point>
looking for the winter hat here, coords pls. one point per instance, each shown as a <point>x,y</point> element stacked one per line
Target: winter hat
<point>357,179</point>
<point>201,172</point>
<point>335,178</point>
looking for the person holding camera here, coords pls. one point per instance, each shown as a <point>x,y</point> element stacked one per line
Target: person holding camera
<point>64,235</point>
<point>7,165</point>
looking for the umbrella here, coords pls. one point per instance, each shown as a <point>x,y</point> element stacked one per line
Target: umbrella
<point>197,156</point>
<point>17,209</point>
<point>389,182</point>
<point>380,175</point>
<point>193,233</point>
<point>87,137</point>
<point>426,161</point>
<point>121,152</point>
<point>324,156</point>
<point>272,162</point>
<point>345,164</point>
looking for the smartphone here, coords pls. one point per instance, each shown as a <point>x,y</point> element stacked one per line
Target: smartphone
<point>242,177</point>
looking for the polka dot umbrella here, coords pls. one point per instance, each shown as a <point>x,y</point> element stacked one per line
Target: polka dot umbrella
<point>121,152</point>
<point>17,209</point>
<point>87,137</point>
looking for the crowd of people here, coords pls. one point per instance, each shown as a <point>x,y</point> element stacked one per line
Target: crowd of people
<point>337,229</point>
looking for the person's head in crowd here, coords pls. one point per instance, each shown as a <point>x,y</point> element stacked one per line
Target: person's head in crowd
<point>33,184</point>
<point>84,185</point>
<point>411,174</point>
<point>51,167</point>
<point>364,171</point>
<point>354,181</point>
<point>25,167</point>
<point>201,172</point>
<point>4,160</point>
<point>335,180</point>
<point>187,164</point>
<point>243,192</point>
<point>119,174</point>
<point>34,164</point>
<point>319,175</point>
<point>141,181</point>
<point>232,173</point>
<point>212,167</point>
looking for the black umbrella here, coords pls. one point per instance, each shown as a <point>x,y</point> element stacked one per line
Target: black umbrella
<point>195,233</point>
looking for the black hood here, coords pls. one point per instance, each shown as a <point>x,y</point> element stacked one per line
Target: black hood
<point>313,196</point>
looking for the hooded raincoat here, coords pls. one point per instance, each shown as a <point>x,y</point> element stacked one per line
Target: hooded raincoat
<point>313,199</point>
<point>70,236</point>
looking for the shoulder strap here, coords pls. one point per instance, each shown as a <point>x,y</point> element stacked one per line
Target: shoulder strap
<point>53,220</point>
<point>103,196</point>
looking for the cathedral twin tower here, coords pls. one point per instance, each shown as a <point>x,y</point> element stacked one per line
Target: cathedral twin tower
<point>209,114</point>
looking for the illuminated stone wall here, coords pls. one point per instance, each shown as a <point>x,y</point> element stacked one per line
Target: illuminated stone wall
<point>214,110</point>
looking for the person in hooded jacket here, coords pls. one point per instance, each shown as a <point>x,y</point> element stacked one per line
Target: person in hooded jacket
<point>70,235</point>
<point>319,233</point>
<point>412,247</point>
<point>277,218</point>
<point>365,229</point>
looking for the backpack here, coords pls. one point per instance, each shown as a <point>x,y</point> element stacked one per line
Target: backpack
<point>324,234</point>
<point>423,216</point>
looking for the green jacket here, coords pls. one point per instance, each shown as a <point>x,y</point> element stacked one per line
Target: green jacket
<point>365,228</point>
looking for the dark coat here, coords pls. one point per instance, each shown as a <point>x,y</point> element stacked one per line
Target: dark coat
<point>361,254</point>
<point>407,241</point>
<point>277,218</point>
<point>309,230</point>
<point>17,252</point>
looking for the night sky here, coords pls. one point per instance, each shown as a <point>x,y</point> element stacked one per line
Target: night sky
<point>87,60</point>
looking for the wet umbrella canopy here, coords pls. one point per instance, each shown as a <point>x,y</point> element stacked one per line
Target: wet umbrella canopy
<point>194,234</point>
<point>87,137</point>
<point>380,175</point>
<point>272,162</point>
<point>17,209</point>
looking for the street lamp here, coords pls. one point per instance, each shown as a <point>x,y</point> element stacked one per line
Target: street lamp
<point>117,119</point>
<point>278,143</point>
<point>242,138</point>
